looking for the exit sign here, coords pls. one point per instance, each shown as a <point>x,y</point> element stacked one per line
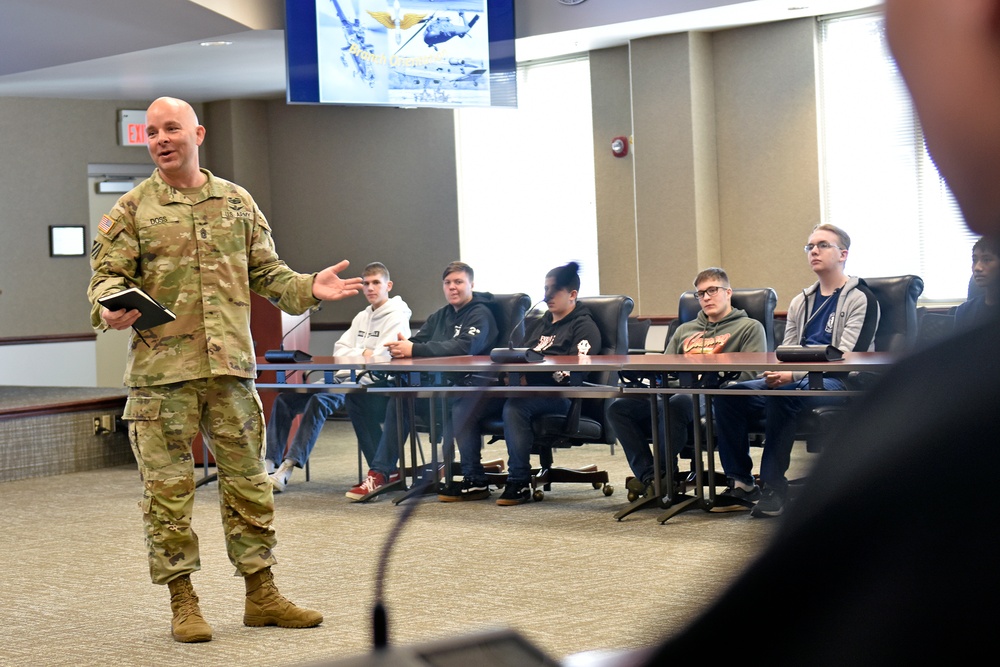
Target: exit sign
<point>132,127</point>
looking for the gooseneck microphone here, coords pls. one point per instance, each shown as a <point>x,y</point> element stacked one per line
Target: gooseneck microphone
<point>516,355</point>
<point>380,620</point>
<point>281,355</point>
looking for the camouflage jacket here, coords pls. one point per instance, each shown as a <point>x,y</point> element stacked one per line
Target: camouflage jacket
<point>200,257</point>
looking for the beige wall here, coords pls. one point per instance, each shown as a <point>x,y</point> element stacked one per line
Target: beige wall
<point>615,191</point>
<point>769,175</point>
<point>366,184</point>
<point>726,165</point>
<point>46,147</point>
<point>724,169</point>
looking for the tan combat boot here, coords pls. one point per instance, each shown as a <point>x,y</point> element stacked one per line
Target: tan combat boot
<point>266,606</point>
<point>188,625</point>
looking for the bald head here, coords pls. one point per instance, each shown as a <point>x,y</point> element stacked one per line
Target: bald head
<point>173,136</point>
<point>179,108</point>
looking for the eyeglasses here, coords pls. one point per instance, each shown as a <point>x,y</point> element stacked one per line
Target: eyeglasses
<point>822,245</point>
<point>708,291</point>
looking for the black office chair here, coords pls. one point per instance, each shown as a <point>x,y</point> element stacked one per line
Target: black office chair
<point>897,301</point>
<point>585,422</point>
<point>637,332</point>
<point>933,326</point>
<point>509,312</point>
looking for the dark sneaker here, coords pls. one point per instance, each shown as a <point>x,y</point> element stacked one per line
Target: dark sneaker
<point>467,489</point>
<point>735,499</point>
<point>771,504</point>
<point>636,488</point>
<point>515,493</point>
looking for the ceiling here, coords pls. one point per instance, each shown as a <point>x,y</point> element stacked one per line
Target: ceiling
<point>141,49</point>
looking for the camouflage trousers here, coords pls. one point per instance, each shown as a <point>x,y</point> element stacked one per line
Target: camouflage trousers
<point>163,420</point>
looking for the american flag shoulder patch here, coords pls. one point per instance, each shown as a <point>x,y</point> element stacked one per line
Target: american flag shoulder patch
<point>105,224</point>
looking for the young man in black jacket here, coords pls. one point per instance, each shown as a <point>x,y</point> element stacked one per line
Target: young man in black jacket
<point>466,325</point>
<point>566,329</point>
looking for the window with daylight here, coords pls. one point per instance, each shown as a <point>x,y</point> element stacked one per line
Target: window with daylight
<point>881,186</point>
<point>526,182</point>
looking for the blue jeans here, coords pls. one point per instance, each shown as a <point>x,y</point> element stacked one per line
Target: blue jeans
<point>367,412</point>
<point>314,408</point>
<point>734,415</point>
<point>632,423</point>
<point>386,460</point>
<point>466,414</point>
<point>517,431</point>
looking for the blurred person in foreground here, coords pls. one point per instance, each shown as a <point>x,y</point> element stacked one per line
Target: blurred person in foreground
<point>888,556</point>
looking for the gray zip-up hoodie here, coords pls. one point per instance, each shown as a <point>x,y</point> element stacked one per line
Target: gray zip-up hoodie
<point>854,324</point>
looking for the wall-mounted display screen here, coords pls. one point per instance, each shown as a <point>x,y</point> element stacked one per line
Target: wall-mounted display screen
<point>404,53</point>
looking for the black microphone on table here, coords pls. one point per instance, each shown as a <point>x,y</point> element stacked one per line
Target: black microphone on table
<point>517,355</point>
<point>281,355</point>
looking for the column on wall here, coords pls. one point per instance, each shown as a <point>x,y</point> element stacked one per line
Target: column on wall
<point>652,246</point>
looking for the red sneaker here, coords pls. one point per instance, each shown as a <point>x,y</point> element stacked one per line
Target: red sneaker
<point>373,482</point>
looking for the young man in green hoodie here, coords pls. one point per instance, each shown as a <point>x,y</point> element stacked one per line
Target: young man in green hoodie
<point>718,328</point>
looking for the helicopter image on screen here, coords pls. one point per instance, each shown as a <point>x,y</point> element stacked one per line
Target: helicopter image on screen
<point>439,29</point>
<point>357,44</point>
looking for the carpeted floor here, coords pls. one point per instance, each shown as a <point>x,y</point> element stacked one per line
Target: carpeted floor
<point>75,588</point>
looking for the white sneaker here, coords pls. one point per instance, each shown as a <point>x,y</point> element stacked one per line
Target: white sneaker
<point>279,478</point>
<point>269,466</point>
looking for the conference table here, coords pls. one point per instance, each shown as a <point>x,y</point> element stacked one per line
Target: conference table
<point>428,377</point>
<point>685,370</point>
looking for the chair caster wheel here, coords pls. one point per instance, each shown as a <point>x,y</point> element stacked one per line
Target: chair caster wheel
<point>538,495</point>
<point>632,496</point>
<point>608,489</point>
<point>597,485</point>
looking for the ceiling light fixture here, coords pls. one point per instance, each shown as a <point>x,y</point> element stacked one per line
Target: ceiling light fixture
<point>219,43</point>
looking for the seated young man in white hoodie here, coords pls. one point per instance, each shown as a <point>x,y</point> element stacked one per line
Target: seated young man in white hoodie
<point>382,321</point>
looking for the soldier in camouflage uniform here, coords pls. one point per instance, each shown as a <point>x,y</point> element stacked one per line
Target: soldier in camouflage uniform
<point>199,245</point>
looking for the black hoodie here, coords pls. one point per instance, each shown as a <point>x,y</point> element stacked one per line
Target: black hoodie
<point>472,329</point>
<point>577,333</point>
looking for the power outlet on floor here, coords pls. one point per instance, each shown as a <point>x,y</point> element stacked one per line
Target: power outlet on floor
<point>104,424</point>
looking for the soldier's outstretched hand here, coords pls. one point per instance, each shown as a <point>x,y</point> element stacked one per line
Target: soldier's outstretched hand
<point>328,286</point>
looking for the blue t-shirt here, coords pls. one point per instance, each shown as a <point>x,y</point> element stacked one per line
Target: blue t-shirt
<point>819,326</point>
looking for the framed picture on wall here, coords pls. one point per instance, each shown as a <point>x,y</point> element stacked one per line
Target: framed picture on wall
<point>67,240</point>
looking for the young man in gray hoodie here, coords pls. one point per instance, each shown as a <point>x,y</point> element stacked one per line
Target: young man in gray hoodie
<point>837,310</point>
<point>718,328</point>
